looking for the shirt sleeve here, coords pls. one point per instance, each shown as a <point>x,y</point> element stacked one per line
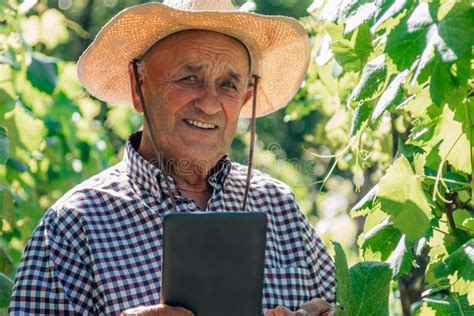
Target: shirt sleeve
<point>320,263</point>
<point>54,276</point>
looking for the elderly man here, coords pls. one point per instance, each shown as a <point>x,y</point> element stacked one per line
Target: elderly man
<point>194,68</point>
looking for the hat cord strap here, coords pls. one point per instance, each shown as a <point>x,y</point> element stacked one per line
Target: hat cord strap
<point>152,132</point>
<point>252,142</point>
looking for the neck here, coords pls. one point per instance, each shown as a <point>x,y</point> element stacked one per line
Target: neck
<point>189,177</point>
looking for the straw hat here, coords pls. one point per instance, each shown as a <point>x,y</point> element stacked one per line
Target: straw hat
<point>279,47</point>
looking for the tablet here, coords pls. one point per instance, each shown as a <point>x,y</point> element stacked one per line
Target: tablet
<point>213,262</point>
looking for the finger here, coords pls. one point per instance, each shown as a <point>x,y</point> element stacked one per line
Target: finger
<point>328,313</point>
<point>157,310</point>
<point>315,307</point>
<point>283,311</point>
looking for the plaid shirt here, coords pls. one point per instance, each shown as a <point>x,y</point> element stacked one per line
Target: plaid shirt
<point>98,249</point>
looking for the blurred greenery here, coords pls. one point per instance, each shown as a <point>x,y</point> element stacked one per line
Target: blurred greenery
<point>377,144</point>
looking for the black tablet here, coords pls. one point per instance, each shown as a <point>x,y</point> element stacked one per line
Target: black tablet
<point>213,262</point>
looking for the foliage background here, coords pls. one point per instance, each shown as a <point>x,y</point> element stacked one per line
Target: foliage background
<point>377,144</point>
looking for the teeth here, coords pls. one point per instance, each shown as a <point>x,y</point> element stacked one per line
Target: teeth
<point>200,124</point>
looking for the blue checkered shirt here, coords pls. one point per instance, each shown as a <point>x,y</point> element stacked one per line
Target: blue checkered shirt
<point>98,249</point>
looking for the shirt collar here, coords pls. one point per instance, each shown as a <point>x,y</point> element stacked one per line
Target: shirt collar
<point>151,178</point>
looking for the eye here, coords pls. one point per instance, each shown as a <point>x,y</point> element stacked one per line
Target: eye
<point>189,78</point>
<point>229,84</point>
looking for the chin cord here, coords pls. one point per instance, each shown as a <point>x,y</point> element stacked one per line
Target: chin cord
<point>152,132</point>
<point>159,157</point>
<point>252,141</point>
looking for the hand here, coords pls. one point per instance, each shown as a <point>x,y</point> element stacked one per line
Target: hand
<point>315,307</point>
<point>157,310</point>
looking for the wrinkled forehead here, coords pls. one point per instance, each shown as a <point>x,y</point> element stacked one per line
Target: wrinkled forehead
<point>174,36</point>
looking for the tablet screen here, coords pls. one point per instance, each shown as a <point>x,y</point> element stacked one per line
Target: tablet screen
<point>213,263</point>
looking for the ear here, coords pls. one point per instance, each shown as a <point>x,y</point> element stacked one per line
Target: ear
<point>249,94</point>
<point>133,88</point>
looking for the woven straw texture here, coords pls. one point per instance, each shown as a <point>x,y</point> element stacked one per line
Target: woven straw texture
<point>279,47</point>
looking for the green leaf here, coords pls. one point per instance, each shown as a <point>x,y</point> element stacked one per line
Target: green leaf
<point>351,55</point>
<point>330,11</point>
<point>401,258</point>
<point>365,203</point>
<point>6,286</point>
<point>395,7</point>
<point>469,223</point>
<point>380,241</point>
<point>373,75</point>
<point>449,81</point>
<point>363,13</point>
<point>408,39</point>
<point>345,55</point>
<point>6,262</point>
<point>7,102</point>
<point>361,114</point>
<point>4,152</point>
<point>392,96</point>
<point>407,150</point>
<point>43,73</point>
<point>363,43</point>
<point>401,195</point>
<point>6,201</point>
<point>460,261</point>
<point>370,288</point>
<point>344,284</point>
<point>454,305</point>
<point>454,140</point>
<point>456,32</point>
<point>27,139</point>
<point>363,289</point>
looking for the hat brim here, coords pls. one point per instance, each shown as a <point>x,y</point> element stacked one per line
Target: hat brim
<point>279,46</point>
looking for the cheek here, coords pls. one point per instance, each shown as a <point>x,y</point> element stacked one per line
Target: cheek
<point>179,98</point>
<point>232,113</point>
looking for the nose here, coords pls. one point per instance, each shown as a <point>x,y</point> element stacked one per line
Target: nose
<point>209,101</point>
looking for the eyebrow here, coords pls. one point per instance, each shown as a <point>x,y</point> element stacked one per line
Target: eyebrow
<point>194,68</point>
<point>197,68</point>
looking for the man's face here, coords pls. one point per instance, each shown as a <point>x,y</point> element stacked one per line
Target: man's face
<point>195,85</point>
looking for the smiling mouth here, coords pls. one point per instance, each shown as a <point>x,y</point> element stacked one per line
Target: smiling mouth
<point>201,125</point>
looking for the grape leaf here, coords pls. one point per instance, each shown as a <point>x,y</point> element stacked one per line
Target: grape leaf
<point>401,258</point>
<point>7,102</point>
<point>363,13</point>
<point>454,139</point>
<point>449,81</point>
<point>401,195</point>
<point>6,262</point>
<point>6,201</point>
<point>361,114</point>
<point>373,74</point>
<point>460,261</point>
<point>451,305</point>
<point>6,286</point>
<point>351,55</point>
<point>363,289</point>
<point>330,11</point>
<point>380,241</point>
<point>344,283</point>
<point>365,203</point>
<point>408,39</point>
<point>43,73</point>
<point>394,8</point>
<point>345,55</point>
<point>392,96</point>
<point>370,288</point>
<point>4,152</point>
<point>27,139</point>
<point>456,32</point>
